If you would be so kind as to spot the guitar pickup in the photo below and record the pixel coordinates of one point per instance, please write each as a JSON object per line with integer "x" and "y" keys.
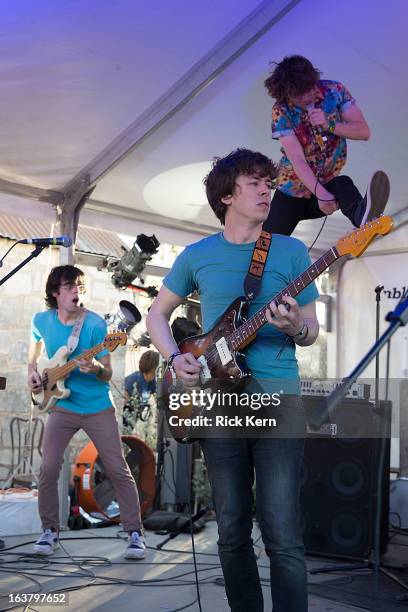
{"x": 223, "y": 351}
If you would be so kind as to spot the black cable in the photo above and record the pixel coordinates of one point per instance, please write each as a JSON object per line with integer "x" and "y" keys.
{"x": 183, "y": 552}
{"x": 7, "y": 252}
{"x": 286, "y": 340}
{"x": 85, "y": 573}
{"x": 325, "y": 218}
{"x": 318, "y": 234}
{"x": 192, "y": 538}
{"x": 322, "y": 161}
{"x": 163, "y": 477}
{"x": 173, "y": 473}
{"x": 188, "y": 505}
{"x": 159, "y": 472}
{"x": 165, "y": 582}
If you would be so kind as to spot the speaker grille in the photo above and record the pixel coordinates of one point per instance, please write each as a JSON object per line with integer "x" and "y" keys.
{"x": 339, "y": 485}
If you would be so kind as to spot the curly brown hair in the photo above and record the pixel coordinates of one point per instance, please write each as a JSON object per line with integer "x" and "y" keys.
{"x": 148, "y": 361}
{"x": 221, "y": 180}
{"x": 293, "y": 76}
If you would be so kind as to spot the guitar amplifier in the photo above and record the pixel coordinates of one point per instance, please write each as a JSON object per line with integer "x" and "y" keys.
{"x": 321, "y": 388}
{"x": 339, "y": 481}
{"x": 353, "y": 418}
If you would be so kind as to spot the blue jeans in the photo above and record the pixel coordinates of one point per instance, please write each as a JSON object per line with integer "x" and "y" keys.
{"x": 277, "y": 463}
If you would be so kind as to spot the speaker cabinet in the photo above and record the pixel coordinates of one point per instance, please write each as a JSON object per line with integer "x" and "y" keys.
{"x": 339, "y": 482}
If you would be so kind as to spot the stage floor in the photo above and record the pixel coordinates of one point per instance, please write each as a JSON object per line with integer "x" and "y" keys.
{"x": 91, "y": 570}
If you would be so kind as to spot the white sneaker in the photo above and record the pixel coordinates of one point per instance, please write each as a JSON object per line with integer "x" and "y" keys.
{"x": 46, "y": 543}
{"x": 136, "y": 548}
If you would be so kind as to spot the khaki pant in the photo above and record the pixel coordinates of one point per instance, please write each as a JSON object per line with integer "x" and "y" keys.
{"x": 103, "y": 430}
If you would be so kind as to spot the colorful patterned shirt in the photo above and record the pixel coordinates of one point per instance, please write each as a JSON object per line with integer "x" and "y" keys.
{"x": 326, "y": 154}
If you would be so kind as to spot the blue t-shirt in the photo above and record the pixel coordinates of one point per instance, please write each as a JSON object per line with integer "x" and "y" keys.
{"x": 142, "y": 385}
{"x": 217, "y": 268}
{"x": 88, "y": 394}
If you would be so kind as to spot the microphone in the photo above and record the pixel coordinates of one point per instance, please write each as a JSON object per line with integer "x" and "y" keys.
{"x": 311, "y": 107}
{"x": 65, "y": 241}
{"x": 317, "y": 130}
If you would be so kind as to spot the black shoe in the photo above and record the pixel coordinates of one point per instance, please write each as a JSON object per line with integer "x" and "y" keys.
{"x": 375, "y": 199}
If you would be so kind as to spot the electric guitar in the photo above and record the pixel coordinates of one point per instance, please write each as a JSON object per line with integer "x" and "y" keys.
{"x": 54, "y": 370}
{"x": 220, "y": 351}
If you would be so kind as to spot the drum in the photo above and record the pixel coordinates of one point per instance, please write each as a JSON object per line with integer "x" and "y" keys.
{"x": 95, "y": 490}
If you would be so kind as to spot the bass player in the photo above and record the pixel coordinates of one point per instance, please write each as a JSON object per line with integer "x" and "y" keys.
{"x": 89, "y": 406}
{"x": 239, "y": 191}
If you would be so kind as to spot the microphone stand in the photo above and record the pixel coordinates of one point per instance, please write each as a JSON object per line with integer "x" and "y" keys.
{"x": 377, "y": 290}
{"x": 38, "y": 249}
{"x": 397, "y": 318}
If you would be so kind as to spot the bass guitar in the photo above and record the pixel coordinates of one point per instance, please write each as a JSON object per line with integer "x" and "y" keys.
{"x": 53, "y": 371}
{"x": 221, "y": 350}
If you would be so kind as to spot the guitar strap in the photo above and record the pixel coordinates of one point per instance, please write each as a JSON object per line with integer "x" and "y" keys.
{"x": 76, "y": 330}
{"x": 252, "y": 282}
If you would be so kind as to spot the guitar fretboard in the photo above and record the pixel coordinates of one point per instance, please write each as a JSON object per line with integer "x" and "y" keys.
{"x": 66, "y": 368}
{"x": 248, "y": 329}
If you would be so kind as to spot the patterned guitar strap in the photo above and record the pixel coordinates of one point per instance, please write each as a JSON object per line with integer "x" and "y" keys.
{"x": 252, "y": 282}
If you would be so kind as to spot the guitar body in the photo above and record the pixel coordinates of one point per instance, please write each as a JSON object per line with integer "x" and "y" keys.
{"x": 199, "y": 346}
{"x": 54, "y": 371}
{"x": 215, "y": 374}
{"x": 53, "y": 387}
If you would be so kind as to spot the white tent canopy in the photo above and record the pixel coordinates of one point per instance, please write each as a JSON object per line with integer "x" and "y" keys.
{"x": 134, "y": 99}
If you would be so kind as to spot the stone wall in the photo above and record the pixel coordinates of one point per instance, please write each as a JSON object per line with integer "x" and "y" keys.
{"x": 20, "y": 298}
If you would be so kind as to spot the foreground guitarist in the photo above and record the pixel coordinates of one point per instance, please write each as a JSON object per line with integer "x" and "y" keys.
{"x": 89, "y": 407}
{"x": 239, "y": 192}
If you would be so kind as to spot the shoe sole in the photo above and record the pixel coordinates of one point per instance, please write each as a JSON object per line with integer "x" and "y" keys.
{"x": 46, "y": 554}
{"x": 127, "y": 556}
{"x": 377, "y": 196}
{"x": 43, "y": 553}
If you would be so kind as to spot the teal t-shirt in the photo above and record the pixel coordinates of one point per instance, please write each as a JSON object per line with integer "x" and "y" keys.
{"x": 88, "y": 394}
{"x": 217, "y": 268}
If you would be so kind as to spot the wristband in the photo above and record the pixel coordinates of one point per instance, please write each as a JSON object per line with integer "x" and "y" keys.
{"x": 101, "y": 370}
{"x": 171, "y": 359}
{"x": 300, "y": 333}
{"x": 332, "y": 126}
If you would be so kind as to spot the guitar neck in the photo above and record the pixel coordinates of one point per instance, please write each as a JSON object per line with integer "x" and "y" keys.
{"x": 64, "y": 370}
{"x": 248, "y": 329}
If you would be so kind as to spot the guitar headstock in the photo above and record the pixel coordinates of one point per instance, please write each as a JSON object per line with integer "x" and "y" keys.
{"x": 357, "y": 241}
{"x": 112, "y": 341}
